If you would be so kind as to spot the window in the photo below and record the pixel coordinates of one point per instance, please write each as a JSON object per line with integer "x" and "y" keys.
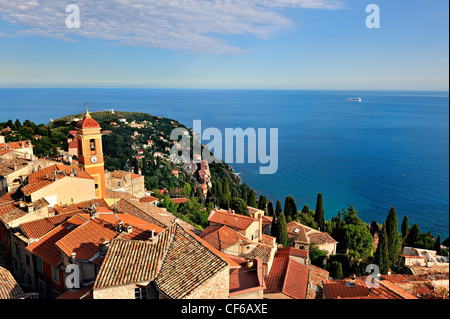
{"x": 118, "y": 184}
{"x": 92, "y": 144}
{"x": 55, "y": 274}
{"x": 27, "y": 259}
{"x": 140, "y": 293}
{"x": 39, "y": 267}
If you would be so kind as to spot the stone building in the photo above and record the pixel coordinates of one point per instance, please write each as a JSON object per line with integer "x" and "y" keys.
{"x": 128, "y": 182}
{"x": 175, "y": 264}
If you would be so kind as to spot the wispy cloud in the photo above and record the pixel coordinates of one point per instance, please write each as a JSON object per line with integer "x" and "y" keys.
{"x": 188, "y": 25}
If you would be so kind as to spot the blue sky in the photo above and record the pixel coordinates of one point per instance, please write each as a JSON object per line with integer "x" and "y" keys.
{"x": 251, "y": 44}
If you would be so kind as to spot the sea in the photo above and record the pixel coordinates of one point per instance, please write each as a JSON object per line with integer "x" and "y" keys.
{"x": 390, "y": 149}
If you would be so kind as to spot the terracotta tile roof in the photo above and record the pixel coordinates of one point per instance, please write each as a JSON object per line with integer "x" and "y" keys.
{"x": 179, "y": 200}
{"x": 221, "y": 237}
{"x": 291, "y": 251}
{"x": 178, "y": 263}
{"x": 334, "y": 289}
{"x": 261, "y": 251}
{"x": 45, "y": 247}
{"x": 322, "y": 239}
{"x": 13, "y": 165}
{"x": 148, "y": 199}
{"x": 15, "y": 145}
{"x": 46, "y": 176}
{"x": 9, "y": 288}
{"x": 152, "y": 214}
{"x": 304, "y": 234}
{"x": 296, "y": 280}
{"x": 11, "y": 197}
{"x": 82, "y": 293}
{"x": 236, "y": 221}
{"x": 316, "y": 277}
{"x": 85, "y": 240}
{"x": 128, "y": 219}
{"x": 244, "y": 279}
{"x": 11, "y": 211}
{"x": 98, "y": 203}
{"x": 87, "y": 122}
{"x": 287, "y": 276}
{"x": 38, "y": 228}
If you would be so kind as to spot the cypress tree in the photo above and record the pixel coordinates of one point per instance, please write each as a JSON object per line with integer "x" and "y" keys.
{"x": 244, "y": 192}
{"x": 382, "y": 252}
{"x": 274, "y": 227}
{"x": 319, "y": 216}
{"x": 278, "y": 210}
{"x": 437, "y": 245}
{"x": 234, "y": 193}
{"x": 282, "y": 235}
{"x": 262, "y": 203}
{"x": 413, "y": 236}
{"x": 270, "y": 209}
{"x": 405, "y": 227}
{"x": 226, "y": 195}
{"x": 252, "y": 199}
{"x": 336, "y": 270}
{"x": 290, "y": 207}
{"x": 393, "y": 236}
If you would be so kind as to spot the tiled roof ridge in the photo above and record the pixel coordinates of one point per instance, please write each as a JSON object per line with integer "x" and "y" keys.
{"x": 200, "y": 241}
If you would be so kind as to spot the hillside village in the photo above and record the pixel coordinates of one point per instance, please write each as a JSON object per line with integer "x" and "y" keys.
{"x": 70, "y": 212}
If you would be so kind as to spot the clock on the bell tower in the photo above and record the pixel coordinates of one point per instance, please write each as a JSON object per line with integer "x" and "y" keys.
{"x": 90, "y": 152}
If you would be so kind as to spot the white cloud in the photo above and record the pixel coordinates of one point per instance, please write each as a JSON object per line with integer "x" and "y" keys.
{"x": 188, "y": 25}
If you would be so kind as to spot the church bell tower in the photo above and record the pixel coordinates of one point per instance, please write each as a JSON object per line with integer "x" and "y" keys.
{"x": 90, "y": 152}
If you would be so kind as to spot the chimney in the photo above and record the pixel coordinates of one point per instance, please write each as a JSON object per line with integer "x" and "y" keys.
{"x": 129, "y": 229}
{"x": 103, "y": 248}
{"x": 73, "y": 257}
{"x": 119, "y": 226}
{"x": 153, "y": 239}
{"x": 249, "y": 264}
{"x": 260, "y": 227}
{"x": 352, "y": 281}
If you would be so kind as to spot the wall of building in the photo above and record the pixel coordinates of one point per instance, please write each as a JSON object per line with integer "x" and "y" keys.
{"x": 117, "y": 292}
{"x": 217, "y": 287}
{"x": 64, "y": 188}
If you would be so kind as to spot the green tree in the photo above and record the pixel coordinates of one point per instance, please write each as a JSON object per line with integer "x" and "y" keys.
{"x": 405, "y": 227}
{"x": 274, "y": 227}
{"x": 316, "y": 255}
{"x": 358, "y": 240}
{"x": 437, "y": 245}
{"x": 239, "y": 206}
{"x": 413, "y": 239}
{"x": 226, "y": 195}
{"x": 336, "y": 270}
{"x": 290, "y": 207}
{"x": 382, "y": 252}
{"x": 262, "y": 203}
{"x": 282, "y": 235}
{"x": 319, "y": 216}
{"x": 187, "y": 190}
{"x": 270, "y": 211}
{"x": 251, "y": 200}
{"x": 278, "y": 210}
{"x": 374, "y": 228}
{"x": 393, "y": 236}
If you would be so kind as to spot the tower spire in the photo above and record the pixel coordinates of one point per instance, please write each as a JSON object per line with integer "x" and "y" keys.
{"x": 87, "y": 111}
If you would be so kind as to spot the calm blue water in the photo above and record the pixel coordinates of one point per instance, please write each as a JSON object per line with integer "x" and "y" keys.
{"x": 354, "y": 153}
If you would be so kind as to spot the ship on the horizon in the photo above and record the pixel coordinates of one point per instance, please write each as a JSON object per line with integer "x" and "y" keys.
{"x": 354, "y": 99}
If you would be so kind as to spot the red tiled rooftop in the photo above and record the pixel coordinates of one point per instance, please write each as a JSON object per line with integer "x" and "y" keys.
{"x": 45, "y": 177}
{"x": 221, "y": 237}
{"x": 287, "y": 276}
{"x": 45, "y": 247}
{"x": 86, "y": 239}
{"x": 38, "y": 228}
{"x": 179, "y": 200}
{"x": 148, "y": 199}
{"x": 87, "y": 122}
{"x": 233, "y": 220}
